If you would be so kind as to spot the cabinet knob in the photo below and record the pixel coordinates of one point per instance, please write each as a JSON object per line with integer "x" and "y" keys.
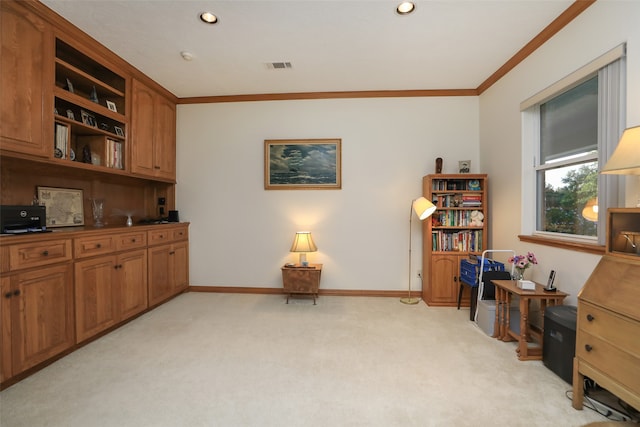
{"x": 590, "y": 318}
{"x": 588, "y": 347}
{"x": 133, "y": 240}
{"x": 172, "y": 252}
{"x": 156, "y": 167}
{"x": 8, "y": 295}
{"x": 99, "y": 245}
{"x": 455, "y": 278}
{"x": 45, "y": 253}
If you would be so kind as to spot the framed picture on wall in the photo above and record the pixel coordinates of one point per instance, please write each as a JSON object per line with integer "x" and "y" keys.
{"x": 302, "y": 164}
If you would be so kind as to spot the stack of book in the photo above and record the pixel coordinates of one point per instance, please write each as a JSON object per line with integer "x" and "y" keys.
{"x": 471, "y": 200}
{"x": 113, "y": 154}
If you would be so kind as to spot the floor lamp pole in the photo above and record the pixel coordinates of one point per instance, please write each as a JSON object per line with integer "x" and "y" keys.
{"x": 409, "y": 299}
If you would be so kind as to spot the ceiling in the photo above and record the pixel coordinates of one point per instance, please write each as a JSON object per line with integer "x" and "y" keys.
{"x": 360, "y": 45}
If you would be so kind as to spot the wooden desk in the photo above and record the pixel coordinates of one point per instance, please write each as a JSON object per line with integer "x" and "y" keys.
{"x": 302, "y": 280}
{"x": 504, "y": 290}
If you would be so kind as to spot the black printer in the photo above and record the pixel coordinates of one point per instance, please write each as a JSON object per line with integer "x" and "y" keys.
{"x": 22, "y": 219}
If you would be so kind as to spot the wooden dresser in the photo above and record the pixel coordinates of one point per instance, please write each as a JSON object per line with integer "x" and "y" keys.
{"x": 608, "y": 328}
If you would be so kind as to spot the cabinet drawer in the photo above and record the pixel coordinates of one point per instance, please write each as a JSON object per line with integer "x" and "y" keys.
{"x": 131, "y": 240}
{"x": 94, "y": 245}
{"x": 618, "y": 364}
{"x": 4, "y": 259}
{"x": 179, "y": 233}
{"x": 160, "y": 236}
{"x": 609, "y": 327}
{"x": 39, "y": 253}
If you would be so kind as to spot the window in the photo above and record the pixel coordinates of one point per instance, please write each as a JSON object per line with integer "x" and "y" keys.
{"x": 570, "y": 130}
{"x": 567, "y": 173}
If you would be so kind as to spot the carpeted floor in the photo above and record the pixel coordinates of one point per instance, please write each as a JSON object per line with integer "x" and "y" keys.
{"x": 251, "y": 360}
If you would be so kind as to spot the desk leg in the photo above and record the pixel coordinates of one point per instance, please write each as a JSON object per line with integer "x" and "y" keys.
{"x": 578, "y": 385}
{"x": 524, "y": 329}
{"x": 506, "y": 316}
{"x": 496, "y": 321}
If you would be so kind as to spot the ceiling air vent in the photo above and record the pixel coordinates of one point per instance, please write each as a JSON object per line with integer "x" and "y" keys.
{"x": 279, "y": 65}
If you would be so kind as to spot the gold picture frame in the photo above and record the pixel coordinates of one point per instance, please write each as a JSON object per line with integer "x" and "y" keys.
{"x": 64, "y": 206}
{"x": 303, "y": 164}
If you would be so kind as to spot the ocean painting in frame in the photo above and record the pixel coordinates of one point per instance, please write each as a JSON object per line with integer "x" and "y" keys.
{"x": 302, "y": 164}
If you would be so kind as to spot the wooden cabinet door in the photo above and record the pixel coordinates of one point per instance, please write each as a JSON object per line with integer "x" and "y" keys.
{"x": 96, "y": 296}
{"x": 168, "y": 271}
{"x": 180, "y": 265}
{"x": 26, "y": 82}
{"x": 165, "y": 138}
{"x": 41, "y": 315}
{"x": 142, "y": 130}
{"x": 153, "y": 142}
{"x": 5, "y": 329}
{"x": 160, "y": 274}
{"x": 132, "y": 272}
{"x": 443, "y": 285}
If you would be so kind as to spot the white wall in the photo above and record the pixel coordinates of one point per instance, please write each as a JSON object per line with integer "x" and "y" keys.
{"x": 600, "y": 28}
{"x": 240, "y": 233}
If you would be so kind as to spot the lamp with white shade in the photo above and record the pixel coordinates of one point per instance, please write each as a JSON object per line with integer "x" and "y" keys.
{"x": 625, "y": 160}
{"x": 303, "y": 243}
{"x": 423, "y": 209}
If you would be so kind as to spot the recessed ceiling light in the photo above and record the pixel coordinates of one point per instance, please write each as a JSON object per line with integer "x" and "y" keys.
{"x": 405, "y": 8}
{"x": 208, "y": 18}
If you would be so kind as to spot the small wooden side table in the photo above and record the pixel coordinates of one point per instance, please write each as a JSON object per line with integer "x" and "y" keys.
{"x": 501, "y": 329}
{"x": 301, "y": 280}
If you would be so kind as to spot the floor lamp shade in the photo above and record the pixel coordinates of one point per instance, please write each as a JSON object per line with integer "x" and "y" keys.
{"x": 625, "y": 160}
{"x": 303, "y": 243}
{"x": 423, "y": 209}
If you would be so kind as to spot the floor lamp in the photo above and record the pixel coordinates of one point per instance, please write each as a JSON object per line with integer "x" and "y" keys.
{"x": 423, "y": 209}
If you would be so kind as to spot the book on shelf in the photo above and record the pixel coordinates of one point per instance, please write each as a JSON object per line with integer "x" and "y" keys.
{"x": 113, "y": 151}
{"x": 62, "y": 141}
{"x": 459, "y": 241}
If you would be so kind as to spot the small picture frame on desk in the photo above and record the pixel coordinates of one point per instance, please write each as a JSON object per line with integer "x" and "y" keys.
{"x": 464, "y": 166}
{"x": 88, "y": 119}
{"x": 112, "y": 106}
{"x": 64, "y": 206}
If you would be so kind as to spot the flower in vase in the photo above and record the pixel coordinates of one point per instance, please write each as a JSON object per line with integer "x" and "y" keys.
{"x": 522, "y": 262}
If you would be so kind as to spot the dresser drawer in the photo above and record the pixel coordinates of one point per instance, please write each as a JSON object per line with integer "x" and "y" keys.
{"x": 131, "y": 240}
{"x": 39, "y": 253}
{"x": 94, "y": 245}
{"x": 609, "y": 327}
{"x": 618, "y": 364}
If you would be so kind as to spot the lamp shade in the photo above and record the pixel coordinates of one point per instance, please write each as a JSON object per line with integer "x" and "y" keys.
{"x": 423, "y": 208}
{"x": 303, "y": 242}
{"x": 625, "y": 160}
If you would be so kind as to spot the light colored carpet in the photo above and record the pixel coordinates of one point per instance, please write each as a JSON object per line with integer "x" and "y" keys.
{"x": 251, "y": 360}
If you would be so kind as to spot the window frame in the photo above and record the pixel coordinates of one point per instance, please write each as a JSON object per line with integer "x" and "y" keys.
{"x": 610, "y": 127}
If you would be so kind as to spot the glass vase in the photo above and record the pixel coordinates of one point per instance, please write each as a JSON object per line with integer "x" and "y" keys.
{"x": 98, "y": 212}
{"x": 518, "y": 274}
